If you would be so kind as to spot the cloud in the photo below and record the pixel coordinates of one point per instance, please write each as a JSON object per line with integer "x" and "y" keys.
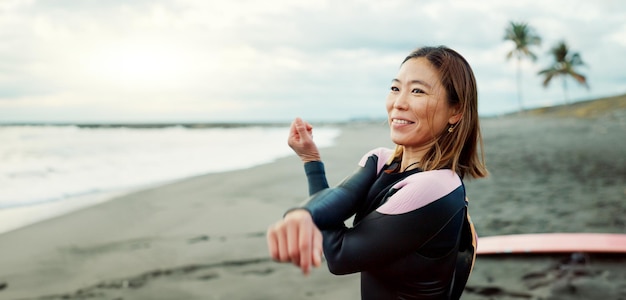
{"x": 249, "y": 60}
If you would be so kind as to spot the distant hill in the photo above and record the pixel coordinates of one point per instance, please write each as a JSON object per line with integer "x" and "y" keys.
{"x": 582, "y": 109}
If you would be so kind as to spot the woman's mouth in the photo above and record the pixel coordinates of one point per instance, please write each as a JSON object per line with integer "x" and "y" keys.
{"x": 401, "y": 122}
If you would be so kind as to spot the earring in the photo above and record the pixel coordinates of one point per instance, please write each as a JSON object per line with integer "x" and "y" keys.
{"x": 452, "y": 127}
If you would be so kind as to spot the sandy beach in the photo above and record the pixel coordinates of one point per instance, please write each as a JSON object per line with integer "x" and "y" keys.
{"x": 204, "y": 237}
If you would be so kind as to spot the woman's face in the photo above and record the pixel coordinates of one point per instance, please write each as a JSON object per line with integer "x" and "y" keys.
{"x": 417, "y": 105}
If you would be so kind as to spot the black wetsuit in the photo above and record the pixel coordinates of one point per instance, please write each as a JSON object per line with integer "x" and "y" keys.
{"x": 411, "y": 238}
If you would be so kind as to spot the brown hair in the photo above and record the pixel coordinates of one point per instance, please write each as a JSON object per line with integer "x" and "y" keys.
{"x": 461, "y": 149}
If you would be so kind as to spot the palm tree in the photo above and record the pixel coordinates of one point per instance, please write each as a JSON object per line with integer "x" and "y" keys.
{"x": 524, "y": 38}
{"x": 564, "y": 64}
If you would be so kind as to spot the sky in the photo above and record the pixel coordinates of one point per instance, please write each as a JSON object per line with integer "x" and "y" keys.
{"x": 273, "y": 60}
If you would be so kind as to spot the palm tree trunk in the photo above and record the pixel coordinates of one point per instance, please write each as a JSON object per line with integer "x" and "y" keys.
{"x": 519, "y": 84}
{"x": 565, "y": 90}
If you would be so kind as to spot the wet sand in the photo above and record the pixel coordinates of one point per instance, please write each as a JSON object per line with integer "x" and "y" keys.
{"x": 204, "y": 237}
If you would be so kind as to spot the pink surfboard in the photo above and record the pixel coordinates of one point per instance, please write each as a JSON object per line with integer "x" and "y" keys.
{"x": 552, "y": 243}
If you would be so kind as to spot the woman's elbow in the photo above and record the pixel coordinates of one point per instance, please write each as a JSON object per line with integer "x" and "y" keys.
{"x": 337, "y": 268}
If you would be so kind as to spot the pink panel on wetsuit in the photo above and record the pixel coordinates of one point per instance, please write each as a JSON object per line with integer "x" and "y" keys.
{"x": 420, "y": 189}
{"x": 383, "y": 155}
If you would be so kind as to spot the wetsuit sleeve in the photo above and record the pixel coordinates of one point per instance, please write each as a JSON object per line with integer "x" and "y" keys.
{"x": 316, "y": 176}
{"x": 332, "y": 206}
{"x": 416, "y": 210}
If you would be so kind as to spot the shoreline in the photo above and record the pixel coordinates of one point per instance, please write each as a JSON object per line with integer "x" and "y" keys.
{"x": 14, "y": 218}
{"x": 22, "y": 211}
{"x": 204, "y": 237}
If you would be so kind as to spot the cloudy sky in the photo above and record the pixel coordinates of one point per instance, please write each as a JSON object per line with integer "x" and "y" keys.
{"x": 244, "y": 60}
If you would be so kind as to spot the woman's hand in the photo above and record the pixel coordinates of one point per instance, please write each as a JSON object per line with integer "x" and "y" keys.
{"x": 301, "y": 141}
{"x": 296, "y": 239}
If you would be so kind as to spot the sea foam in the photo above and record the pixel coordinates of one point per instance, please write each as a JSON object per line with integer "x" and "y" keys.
{"x": 46, "y": 170}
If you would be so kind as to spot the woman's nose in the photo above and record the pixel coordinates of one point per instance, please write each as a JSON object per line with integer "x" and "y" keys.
{"x": 400, "y": 102}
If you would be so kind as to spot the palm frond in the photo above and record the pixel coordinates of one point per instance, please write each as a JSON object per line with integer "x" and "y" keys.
{"x": 576, "y": 60}
{"x": 523, "y": 36}
{"x": 564, "y": 65}
{"x": 548, "y": 78}
{"x": 579, "y": 78}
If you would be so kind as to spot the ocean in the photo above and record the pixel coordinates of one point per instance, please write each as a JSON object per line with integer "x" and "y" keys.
{"x": 46, "y": 171}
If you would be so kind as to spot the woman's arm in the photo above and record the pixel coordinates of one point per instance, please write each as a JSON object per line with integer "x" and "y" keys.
{"x": 332, "y": 206}
{"x": 297, "y": 238}
{"x": 316, "y": 176}
{"x": 417, "y": 209}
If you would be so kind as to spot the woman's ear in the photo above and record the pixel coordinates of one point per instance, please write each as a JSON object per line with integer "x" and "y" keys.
{"x": 457, "y": 115}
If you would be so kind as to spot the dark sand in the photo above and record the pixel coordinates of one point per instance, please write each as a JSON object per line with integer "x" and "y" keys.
{"x": 204, "y": 238}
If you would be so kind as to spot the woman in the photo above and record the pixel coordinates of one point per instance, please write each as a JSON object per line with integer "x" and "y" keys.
{"x": 412, "y": 237}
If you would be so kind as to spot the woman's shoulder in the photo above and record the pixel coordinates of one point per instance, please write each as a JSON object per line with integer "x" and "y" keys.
{"x": 381, "y": 155}
{"x": 445, "y": 179}
{"x": 420, "y": 189}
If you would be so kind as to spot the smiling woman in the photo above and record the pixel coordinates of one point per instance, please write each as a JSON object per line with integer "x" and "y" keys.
{"x": 411, "y": 236}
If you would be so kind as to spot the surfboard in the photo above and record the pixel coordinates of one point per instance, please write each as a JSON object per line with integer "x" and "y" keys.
{"x": 552, "y": 243}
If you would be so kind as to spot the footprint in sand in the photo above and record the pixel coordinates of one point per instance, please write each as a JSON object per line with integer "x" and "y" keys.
{"x": 576, "y": 266}
{"x": 262, "y": 272}
{"x": 198, "y": 239}
{"x": 208, "y": 277}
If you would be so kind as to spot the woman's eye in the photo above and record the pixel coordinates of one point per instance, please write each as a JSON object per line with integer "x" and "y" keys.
{"x": 394, "y": 89}
{"x": 417, "y": 91}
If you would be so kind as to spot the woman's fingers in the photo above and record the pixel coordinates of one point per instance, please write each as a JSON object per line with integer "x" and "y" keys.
{"x": 272, "y": 243}
{"x": 301, "y": 141}
{"x": 301, "y": 132}
{"x": 283, "y": 245}
{"x": 304, "y": 129}
{"x": 309, "y": 128}
{"x": 305, "y": 242}
{"x": 277, "y": 242}
{"x": 296, "y": 239}
{"x": 292, "y": 232}
{"x": 317, "y": 247}
{"x": 294, "y": 136}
